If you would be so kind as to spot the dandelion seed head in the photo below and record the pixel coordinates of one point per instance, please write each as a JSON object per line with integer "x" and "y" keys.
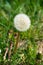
{"x": 22, "y": 22}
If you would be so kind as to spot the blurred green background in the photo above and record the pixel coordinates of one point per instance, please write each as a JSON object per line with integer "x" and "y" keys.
{"x": 24, "y": 55}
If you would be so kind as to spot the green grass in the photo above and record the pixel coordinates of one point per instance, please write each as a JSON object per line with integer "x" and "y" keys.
{"x": 8, "y": 10}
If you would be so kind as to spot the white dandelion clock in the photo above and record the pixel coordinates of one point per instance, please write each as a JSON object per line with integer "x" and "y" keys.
{"x": 22, "y": 22}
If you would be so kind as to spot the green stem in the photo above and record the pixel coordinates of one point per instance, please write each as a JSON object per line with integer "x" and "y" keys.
{"x": 17, "y": 40}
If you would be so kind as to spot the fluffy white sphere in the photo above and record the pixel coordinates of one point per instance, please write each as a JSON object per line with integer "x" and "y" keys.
{"x": 22, "y": 22}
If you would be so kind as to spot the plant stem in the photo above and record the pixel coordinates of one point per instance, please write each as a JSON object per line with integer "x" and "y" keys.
{"x": 9, "y": 55}
{"x": 5, "y": 53}
{"x": 17, "y": 40}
